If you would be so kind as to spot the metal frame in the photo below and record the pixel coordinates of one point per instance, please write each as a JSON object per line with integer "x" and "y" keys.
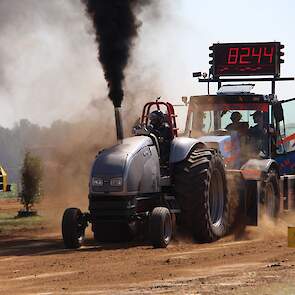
{"x": 170, "y": 114}
{"x": 273, "y": 80}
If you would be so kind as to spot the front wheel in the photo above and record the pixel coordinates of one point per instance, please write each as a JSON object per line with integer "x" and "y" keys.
{"x": 73, "y": 228}
{"x": 160, "y": 227}
{"x": 270, "y": 195}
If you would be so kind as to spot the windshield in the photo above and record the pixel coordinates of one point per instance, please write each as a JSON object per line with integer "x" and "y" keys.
{"x": 205, "y": 119}
{"x": 247, "y": 122}
{"x": 205, "y": 122}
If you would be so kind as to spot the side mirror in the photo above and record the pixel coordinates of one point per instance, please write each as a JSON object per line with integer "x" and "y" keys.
{"x": 278, "y": 111}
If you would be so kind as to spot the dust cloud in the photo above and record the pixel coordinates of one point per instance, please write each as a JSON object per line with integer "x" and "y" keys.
{"x": 49, "y": 67}
{"x": 48, "y": 61}
{"x": 269, "y": 228}
{"x": 51, "y": 76}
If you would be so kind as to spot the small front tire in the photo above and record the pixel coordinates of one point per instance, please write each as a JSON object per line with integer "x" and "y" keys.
{"x": 160, "y": 227}
{"x": 73, "y": 228}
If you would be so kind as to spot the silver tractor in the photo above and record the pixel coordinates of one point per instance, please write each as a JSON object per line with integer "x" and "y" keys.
{"x": 150, "y": 184}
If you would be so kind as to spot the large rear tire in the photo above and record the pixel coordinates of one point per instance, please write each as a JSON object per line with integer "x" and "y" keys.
{"x": 161, "y": 227}
{"x": 73, "y": 228}
{"x": 201, "y": 190}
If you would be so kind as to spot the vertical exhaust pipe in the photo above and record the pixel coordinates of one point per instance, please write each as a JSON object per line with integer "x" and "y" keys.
{"x": 119, "y": 126}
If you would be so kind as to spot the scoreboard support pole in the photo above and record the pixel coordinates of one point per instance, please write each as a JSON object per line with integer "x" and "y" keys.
{"x": 273, "y": 87}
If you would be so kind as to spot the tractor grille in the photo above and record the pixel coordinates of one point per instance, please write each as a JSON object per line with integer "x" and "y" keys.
{"x": 116, "y": 207}
{"x": 110, "y": 206}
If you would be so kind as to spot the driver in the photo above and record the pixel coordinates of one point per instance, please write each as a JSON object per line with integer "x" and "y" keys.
{"x": 162, "y": 130}
{"x": 258, "y": 132}
{"x": 235, "y": 125}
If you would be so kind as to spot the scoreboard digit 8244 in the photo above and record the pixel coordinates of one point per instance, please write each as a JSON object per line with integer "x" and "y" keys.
{"x": 246, "y": 59}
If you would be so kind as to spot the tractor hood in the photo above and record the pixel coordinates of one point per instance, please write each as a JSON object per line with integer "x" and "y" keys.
{"x": 112, "y": 161}
{"x": 122, "y": 167}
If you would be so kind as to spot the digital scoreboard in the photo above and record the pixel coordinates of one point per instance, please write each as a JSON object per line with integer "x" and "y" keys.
{"x": 246, "y": 59}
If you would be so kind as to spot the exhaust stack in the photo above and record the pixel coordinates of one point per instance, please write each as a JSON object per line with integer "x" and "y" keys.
{"x": 119, "y": 126}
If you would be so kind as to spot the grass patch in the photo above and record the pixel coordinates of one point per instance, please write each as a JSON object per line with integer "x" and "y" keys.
{"x": 9, "y": 223}
{"x": 12, "y": 194}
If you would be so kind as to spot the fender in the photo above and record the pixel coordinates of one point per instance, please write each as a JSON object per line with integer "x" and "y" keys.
{"x": 253, "y": 169}
{"x": 180, "y": 148}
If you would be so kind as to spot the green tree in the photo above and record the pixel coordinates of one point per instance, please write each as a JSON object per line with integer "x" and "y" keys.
{"x": 31, "y": 177}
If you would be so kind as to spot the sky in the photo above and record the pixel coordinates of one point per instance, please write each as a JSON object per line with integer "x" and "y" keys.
{"x": 201, "y": 24}
{"x": 48, "y": 60}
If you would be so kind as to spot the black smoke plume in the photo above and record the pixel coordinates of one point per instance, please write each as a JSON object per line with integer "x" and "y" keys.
{"x": 116, "y": 27}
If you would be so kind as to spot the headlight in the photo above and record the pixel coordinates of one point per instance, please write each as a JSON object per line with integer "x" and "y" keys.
{"x": 96, "y": 181}
{"x": 118, "y": 181}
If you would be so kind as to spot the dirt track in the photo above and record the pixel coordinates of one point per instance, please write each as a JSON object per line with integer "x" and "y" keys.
{"x": 36, "y": 263}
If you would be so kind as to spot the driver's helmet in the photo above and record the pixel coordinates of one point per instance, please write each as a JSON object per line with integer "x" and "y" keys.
{"x": 157, "y": 118}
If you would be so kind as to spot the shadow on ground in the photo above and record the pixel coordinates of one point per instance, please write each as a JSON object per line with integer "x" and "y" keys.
{"x": 53, "y": 246}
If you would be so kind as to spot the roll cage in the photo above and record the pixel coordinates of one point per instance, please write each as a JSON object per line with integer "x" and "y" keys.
{"x": 168, "y": 110}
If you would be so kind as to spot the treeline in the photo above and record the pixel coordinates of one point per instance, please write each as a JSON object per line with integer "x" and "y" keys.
{"x": 60, "y": 143}
{"x": 26, "y": 136}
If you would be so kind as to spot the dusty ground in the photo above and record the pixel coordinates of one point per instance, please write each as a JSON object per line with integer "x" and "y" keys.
{"x": 35, "y": 262}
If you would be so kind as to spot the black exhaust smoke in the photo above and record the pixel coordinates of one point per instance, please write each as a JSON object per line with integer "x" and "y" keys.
{"x": 116, "y": 27}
